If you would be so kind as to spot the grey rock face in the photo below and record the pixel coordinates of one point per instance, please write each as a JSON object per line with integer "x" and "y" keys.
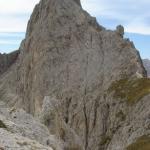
{"x": 146, "y": 63}
{"x": 6, "y": 60}
{"x": 120, "y": 30}
{"x": 68, "y": 62}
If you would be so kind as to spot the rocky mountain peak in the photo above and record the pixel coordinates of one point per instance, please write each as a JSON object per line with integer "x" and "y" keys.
{"x": 79, "y": 79}
{"x": 48, "y": 13}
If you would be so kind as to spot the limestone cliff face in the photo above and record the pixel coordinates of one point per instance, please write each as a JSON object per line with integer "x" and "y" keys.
{"x": 71, "y": 64}
{"x": 66, "y": 50}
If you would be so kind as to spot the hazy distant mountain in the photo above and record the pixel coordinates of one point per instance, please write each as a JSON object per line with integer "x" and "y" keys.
{"x": 146, "y": 63}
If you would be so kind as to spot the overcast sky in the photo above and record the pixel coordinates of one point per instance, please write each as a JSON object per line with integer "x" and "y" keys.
{"x": 134, "y": 15}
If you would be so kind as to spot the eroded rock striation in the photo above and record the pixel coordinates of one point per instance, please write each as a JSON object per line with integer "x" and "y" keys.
{"x": 74, "y": 76}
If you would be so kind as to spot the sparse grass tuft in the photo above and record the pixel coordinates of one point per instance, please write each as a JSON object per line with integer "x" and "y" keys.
{"x": 105, "y": 140}
{"x": 130, "y": 89}
{"x": 2, "y": 125}
{"x": 142, "y": 143}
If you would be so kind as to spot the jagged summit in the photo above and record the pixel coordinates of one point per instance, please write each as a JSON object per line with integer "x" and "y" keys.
{"x": 52, "y": 12}
{"x": 68, "y": 68}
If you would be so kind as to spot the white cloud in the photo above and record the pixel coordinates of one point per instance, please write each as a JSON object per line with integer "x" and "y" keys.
{"x": 133, "y": 14}
{"x": 17, "y": 6}
{"x": 139, "y": 25}
{"x": 12, "y": 24}
{"x": 14, "y": 14}
{"x": 12, "y": 42}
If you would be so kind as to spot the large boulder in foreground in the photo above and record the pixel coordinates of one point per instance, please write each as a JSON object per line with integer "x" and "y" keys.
{"x": 19, "y": 130}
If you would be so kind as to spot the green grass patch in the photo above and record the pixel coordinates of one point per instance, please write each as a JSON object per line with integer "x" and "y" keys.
{"x": 142, "y": 143}
{"x": 130, "y": 89}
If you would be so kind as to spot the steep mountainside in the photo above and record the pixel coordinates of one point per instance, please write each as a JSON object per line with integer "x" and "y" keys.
{"x": 85, "y": 83}
{"x": 146, "y": 63}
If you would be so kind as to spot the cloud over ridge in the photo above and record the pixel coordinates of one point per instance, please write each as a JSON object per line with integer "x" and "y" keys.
{"x": 133, "y": 14}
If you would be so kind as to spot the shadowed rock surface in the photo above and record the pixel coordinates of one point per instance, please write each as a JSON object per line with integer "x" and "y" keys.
{"x": 6, "y": 60}
{"x": 74, "y": 76}
{"x": 146, "y": 63}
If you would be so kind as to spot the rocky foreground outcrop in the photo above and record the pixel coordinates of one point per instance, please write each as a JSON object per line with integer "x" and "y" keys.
{"x": 19, "y": 130}
{"x": 85, "y": 83}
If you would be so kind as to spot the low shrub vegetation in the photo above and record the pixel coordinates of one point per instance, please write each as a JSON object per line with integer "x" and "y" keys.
{"x": 142, "y": 143}
{"x": 130, "y": 89}
{"x": 2, "y": 125}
